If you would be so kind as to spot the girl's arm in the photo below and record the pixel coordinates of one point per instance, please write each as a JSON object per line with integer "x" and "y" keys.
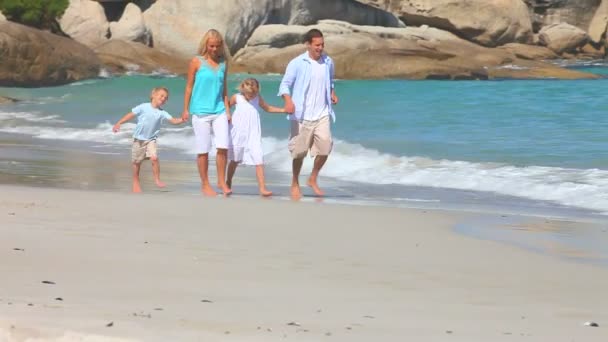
{"x": 232, "y": 100}
{"x": 270, "y": 109}
{"x": 226, "y": 101}
{"x": 129, "y": 116}
{"x": 192, "y": 68}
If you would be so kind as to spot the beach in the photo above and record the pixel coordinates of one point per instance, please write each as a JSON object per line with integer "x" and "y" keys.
{"x": 113, "y": 266}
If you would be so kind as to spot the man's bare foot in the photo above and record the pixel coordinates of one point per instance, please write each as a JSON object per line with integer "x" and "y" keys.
{"x": 296, "y": 194}
{"x": 208, "y": 191}
{"x": 315, "y": 188}
{"x": 265, "y": 192}
{"x": 136, "y": 188}
{"x": 160, "y": 184}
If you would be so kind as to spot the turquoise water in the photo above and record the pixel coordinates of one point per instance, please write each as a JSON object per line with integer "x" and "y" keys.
{"x": 514, "y": 144}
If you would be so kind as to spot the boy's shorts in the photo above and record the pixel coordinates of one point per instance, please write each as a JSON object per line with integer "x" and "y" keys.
{"x": 143, "y": 149}
{"x": 310, "y": 135}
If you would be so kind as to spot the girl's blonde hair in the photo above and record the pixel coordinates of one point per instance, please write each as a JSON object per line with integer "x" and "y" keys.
{"x": 249, "y": 86}
{"x": 157, "y": 89}
{"x": 212, "y": 34}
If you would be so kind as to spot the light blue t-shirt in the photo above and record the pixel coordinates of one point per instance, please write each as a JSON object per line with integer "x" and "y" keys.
{"x": 208, "y": 90}
{"x": 149, "y": 120}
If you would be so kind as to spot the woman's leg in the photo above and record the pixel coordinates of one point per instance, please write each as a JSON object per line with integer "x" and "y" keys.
{"x": 202, "y": 137}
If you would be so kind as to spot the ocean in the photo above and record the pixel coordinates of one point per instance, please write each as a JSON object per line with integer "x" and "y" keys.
{"x": 535, "y": 147}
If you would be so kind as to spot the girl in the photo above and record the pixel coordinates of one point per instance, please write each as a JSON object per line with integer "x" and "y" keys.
{"x": 206, "y": 99}
{"x": 246, "y": 132}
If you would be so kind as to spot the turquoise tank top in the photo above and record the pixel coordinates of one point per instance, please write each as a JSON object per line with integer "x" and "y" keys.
{"x": 208, "y": 90}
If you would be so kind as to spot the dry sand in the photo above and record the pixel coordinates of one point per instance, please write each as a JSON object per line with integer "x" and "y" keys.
{"x": 175, "y": 267}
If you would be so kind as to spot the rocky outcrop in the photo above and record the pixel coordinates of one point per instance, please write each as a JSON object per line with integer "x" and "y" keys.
{"x": 531, "y": 52}
{"x": 410, "y": 52}
{"x": 574, "y": 12}
{"x": 131, "y": 26}
{"x": 34, "y": 58}
{"x": 487, "y": 22}
{"x": 85, "y": 21}
{"x": 599, "y": 23}
{"x": 7, "y": 100}
{"x": 178, "y": 26}
{"x": 119, "y": 56}
{"x": 562, "y": 37}
{"x": 2, "y": 17}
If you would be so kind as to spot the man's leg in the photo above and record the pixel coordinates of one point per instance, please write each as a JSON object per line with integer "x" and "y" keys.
{"x": 321, "y": 148}
{"x": 151, "y": 152}
{"x": 316, "y": 168}
{"x": 298, "y": 147}
{"x": 296, "y": 167}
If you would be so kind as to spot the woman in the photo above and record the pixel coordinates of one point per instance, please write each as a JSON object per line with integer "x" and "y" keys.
{"x": 206, "y": 99}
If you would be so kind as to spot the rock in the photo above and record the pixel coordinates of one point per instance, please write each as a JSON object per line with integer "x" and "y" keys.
{"x": 597, "y": 26}
{"x": 487, "y": 22}
{"x": 120, "y": 56}
{"x": 376, "y": 52}
{"x": 562, "y": 37}
{"x": 578, "y": 13}
{"x": 532, "y": 52}
{"x": 34, "y": 58}
{"x": 85, "y": 21}
{"x": 2, "y": 17}
{"x": 131, "y": 26}
{"x": 8, "y": 100}
{"x": 178, "y": 26}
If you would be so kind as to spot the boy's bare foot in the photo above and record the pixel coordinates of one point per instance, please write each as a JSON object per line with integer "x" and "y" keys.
{"x": 296, "y": 194}
{"x": 160, "y": 184}
{"x": 136, "y": 188}
{"x": 315, "y": 187}
{"x": 265, "y": 192}
{"x": 208, "y": 191}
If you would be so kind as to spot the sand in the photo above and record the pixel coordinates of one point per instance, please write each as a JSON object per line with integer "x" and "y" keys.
{"x": 110, "y": 266}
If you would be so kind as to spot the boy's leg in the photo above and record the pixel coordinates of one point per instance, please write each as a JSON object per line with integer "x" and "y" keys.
{"x": 231, "y": 170}
{"x": 136, "y": 185}
{"x": 152, "y": 153}
{"x": 259, "y": 172}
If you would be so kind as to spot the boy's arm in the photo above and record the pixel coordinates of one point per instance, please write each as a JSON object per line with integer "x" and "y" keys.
{"x": 270, "y": 109}
{"x": 127, "y": 117}
{"x": 176, "y": 121}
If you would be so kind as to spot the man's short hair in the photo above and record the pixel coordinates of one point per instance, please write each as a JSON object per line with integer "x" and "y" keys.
{"x": 312, "y": 33}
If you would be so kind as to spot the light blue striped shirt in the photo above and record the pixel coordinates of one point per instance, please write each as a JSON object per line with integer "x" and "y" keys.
{"x": 296, "y": 81}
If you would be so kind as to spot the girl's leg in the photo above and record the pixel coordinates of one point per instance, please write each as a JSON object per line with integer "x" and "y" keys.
{"x": 259, "y": 172}
{"x": 136, "y": 186}
{"x": 221, "y": 159}
{"x": 156, "y": 172}
{"x": 231, "y": 170}
{"x": 202, "y": 161}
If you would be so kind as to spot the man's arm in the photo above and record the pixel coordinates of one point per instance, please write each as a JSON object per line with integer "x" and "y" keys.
{"x": 287, "y": 85}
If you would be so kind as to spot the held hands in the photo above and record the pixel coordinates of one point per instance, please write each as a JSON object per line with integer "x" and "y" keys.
{"x": 289, "y": 107}
{"x": 185, "y": 116}
{"x": 334, "y": 98}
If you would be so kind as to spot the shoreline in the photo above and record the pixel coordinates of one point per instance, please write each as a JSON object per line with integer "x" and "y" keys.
{"x": 175, "y": 267}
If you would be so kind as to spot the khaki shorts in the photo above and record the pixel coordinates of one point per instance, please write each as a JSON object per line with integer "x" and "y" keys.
{"x": 143, "y": 149}
{"x": 310, "y": 135}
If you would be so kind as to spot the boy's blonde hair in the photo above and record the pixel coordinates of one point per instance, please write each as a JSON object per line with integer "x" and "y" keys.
{"x": 212, "y": 34}
{"x": 249, "y": 86}
{"x": 157, "y": 89}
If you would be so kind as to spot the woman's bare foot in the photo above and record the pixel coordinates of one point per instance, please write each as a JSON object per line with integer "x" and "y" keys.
{"x": 265, "y": 192}
{"x": 315, "y": 187}
{"x": 296, "y": 194}
{"x": 160, "y": 184}
{"x": 208, "y": 191}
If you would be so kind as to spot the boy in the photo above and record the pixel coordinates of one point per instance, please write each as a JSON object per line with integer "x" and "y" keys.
{"x": 149, "y": 116}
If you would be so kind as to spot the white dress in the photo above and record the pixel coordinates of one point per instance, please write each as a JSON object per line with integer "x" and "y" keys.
{"x": 246, "y": 132}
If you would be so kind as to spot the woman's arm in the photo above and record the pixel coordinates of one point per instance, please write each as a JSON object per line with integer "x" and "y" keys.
{"x": 192, "y": 68}
{"x": 225, "y": 97}
{"x": 270, "y": 109}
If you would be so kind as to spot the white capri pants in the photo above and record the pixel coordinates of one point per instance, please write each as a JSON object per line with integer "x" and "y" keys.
{"x": 206, "y": 126}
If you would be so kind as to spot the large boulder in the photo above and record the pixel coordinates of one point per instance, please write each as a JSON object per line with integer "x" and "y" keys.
{"x": 562, "y": 37}
{"x": 599, "y": 23}
{"x": 119, "y": 56}
{"x": 85, "y": 21}
{"x": 487, "y": 22}
{"x": 131, "y": 26}
{"x": 574, "y": 12}
{"x": 2, "y": 17}
{"x": 532, "y": 52}
{"x": 378, "y": 52}
{"x": 34, "y": 58}
{"x": 178, "y": 25}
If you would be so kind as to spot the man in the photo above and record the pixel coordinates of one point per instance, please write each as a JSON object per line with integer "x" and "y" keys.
{"x": 308, "y": 91}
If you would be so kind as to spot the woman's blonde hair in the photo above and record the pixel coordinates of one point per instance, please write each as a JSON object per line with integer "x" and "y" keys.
{"x": 212, "y": 34}
{"x": 157, "y": 89}
{"x": 249, "y": 86}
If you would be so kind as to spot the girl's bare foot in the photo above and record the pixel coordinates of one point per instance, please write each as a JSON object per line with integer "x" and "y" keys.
{"x": 160, "y": 184}
{"x": 265, "y": 192}
{"x": 208, "y": 191}
{"x": 315, "y": 187}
